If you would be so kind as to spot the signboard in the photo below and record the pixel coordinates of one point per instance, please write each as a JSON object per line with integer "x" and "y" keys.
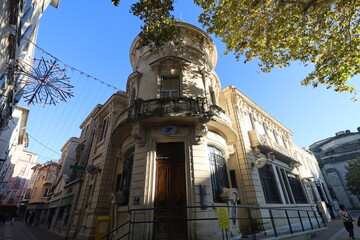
{"x": 223, "y": 217}
{"x": 76, "y": 167}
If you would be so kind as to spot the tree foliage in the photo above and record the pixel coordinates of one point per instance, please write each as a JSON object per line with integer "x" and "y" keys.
{"x": 159, "y": 25}
{"x": 352, "y": 177}
{"x": 323, "y": 33}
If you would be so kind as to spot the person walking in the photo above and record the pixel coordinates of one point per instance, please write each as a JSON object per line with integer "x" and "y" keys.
{"x": 31, "y": 218}
{"x": 347, "y": 220}
{"x": 13, "y": 218}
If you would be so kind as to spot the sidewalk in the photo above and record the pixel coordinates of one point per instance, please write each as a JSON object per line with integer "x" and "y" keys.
{"x": 19, "y": 231}
{"x": 336, "y": 229}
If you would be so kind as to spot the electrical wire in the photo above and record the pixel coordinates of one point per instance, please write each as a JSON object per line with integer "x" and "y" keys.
{"x": 59, "y": 60}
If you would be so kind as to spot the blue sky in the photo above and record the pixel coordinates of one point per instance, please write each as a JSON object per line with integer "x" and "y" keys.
{"x": 95, "y": 37}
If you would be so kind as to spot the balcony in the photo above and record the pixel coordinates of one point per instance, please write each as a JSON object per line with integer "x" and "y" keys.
{"x": 172, "y": 107}
{"x": 280, "y": 148}
{"x": 267, "y": 145}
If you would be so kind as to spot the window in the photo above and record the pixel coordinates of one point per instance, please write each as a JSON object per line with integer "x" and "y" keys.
{"x": 233, "y": 179}
{"x": 27, "y": 33}
{"x": 84, "y": 132}
{"x": 218, "y": 172}
{"x": 104, "y": 129}
{"x": 118, "y": 182}
{"x": 27, "y": 15}
{"x": 17, "y": 183}
{"x": 89, "y": 195}
{"x": 126, "y": 175}
{"x": 2, "y": 84}
{"x": 289, "y": 184}
{"x": 268, "y": 183}
{"x": 170, "y": 87}
{"x": 212, "y": 96}
{"x": 46, "y": 192}
{"x": 27, "y": 194}
{"x": 23, "y": 169}
{"x": 132, "y": 96}
{"x": 296, "y": 188}
{"x": 285, "y": 186}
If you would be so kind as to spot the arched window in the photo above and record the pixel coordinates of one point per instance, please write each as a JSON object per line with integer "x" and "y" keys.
{"x": 218, "y": 172}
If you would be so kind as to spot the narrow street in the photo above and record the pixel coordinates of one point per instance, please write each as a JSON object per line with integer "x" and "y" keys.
{"x": 19, "y": 231}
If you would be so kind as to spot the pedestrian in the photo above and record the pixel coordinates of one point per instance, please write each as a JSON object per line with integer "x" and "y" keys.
{"x": 31, "y": 218}
{"x": 5, "y": 217}
{"x": 27, "y": 215}
{"x": 358, "y": 222}
{"x": 13, "y": 217}
{"x": 347, "y": 220}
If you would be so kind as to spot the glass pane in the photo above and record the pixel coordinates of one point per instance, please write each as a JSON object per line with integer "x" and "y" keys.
{"x": 170, "y": 84}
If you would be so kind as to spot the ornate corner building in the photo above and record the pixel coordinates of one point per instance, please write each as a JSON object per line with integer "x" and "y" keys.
{"x": 165, "y": 158}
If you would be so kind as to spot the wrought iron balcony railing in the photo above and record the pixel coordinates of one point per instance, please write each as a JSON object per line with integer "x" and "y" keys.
{"x": 173, "y": 107}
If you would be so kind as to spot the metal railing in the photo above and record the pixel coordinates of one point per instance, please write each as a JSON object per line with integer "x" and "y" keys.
{"x": 258, "y": 222}
{"x": 163, "y": 106}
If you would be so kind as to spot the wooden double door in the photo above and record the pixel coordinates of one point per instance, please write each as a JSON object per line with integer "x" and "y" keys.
{"x": 170, "y": 192}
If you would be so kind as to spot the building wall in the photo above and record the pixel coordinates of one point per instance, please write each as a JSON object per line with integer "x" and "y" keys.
{"x": 259, "y": 136}
{"x": 333, "y": 155}
{"x": 206, "y": 120}
{"x": 12, "y": 144}
{"x": 19, "y": 21}
{"x": 17, "y": 185}
{"x": 39, "y": 187}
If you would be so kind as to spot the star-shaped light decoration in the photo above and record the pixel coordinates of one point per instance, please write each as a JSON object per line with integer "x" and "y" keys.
{"x": 43, "y": 81}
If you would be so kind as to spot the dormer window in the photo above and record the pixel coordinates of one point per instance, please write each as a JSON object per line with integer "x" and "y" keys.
{"x": 170, "y": 87}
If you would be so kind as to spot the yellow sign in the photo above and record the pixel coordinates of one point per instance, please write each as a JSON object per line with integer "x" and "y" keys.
{"x": 223, "y": 217}
{"x": 102, "y": 227}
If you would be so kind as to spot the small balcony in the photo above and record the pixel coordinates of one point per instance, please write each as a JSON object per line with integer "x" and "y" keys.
{"x": 172, "y": 107}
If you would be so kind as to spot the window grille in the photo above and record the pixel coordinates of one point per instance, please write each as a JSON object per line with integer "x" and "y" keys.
{"x": 218, "y": 172}
{"x": 296, "y": 189}
{"x": 126, "y": 175}
{"x": 268, "y": 183}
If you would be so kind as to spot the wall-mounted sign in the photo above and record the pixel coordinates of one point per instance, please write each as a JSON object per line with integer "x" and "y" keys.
{"x": 223, "y": 217}
{"x": 168, "y": 130}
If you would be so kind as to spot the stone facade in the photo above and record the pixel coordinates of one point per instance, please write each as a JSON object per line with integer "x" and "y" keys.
{"x": 40, "y": 185}
{"x": 333, "y": 154}
{"x": 61, "y": 197}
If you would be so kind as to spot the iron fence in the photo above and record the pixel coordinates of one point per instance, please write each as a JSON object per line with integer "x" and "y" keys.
{"x": 254, "y": 222}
